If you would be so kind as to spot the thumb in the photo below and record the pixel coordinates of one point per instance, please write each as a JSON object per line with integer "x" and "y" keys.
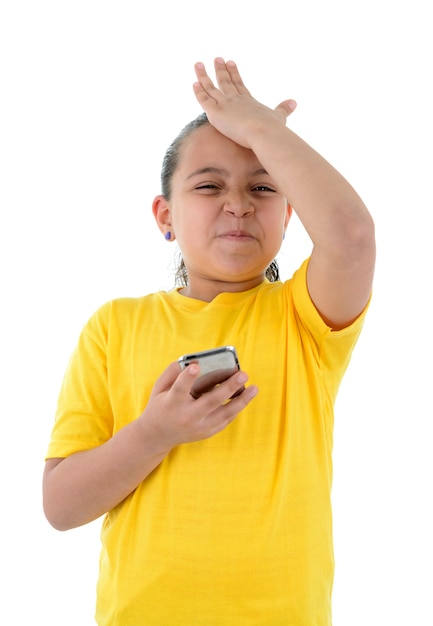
{"x": 286, "y": 107}
{"x": 167, "y": 378}
{"x": 172, "y": 373}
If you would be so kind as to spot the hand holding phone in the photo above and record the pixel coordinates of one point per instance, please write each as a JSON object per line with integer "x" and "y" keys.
{"x": 216, "y": 366}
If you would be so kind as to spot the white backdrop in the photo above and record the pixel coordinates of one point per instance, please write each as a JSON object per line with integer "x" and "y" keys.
{"x": 91, "y": 95}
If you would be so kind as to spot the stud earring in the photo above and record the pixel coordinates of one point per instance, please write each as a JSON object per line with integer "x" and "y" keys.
{"x": 284, "y": 235}
{"x": 168, "y": 235}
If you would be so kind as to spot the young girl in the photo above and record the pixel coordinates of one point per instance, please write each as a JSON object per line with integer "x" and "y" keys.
{"x": 217, "y": 509}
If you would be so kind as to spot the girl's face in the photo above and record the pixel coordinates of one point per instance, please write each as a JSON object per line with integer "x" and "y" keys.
{"x": 226, "y": 212}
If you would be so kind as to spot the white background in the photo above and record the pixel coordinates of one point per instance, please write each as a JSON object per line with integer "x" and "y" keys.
{"x": 91, "y": 95}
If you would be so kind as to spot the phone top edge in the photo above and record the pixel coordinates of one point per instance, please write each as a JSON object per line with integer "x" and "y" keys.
{"x": 210, "y": 352}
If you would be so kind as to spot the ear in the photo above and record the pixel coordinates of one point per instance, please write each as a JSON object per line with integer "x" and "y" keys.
{"x": 162, "y": 214}
{"x": 289, "y": 211}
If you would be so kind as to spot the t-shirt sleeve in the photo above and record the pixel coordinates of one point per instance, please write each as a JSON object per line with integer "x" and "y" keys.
{"x": 84, "y": 417}
{"x": 333, "y": 348}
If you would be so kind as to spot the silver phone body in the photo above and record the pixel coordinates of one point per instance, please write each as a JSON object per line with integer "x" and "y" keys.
{"x": 216, "y": 365}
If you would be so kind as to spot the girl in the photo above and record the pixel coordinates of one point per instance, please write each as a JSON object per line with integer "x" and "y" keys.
{"x": 217, "y": 509}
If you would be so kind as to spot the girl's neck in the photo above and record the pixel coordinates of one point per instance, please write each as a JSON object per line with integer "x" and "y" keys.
{"x": 207, "y": 290}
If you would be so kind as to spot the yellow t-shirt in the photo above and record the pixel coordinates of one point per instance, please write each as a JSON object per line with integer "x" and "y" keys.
{"x": 236, "y": 529}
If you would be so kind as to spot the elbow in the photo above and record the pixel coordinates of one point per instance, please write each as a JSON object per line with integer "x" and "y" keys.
{"x": 62, "y": 514}
{"x": 56, "y": 505}
{"x": 58, "y": 510}
{"x": 358, "y": 223}
{"x": 55, "y": 516}
{"x": 58, "y": 526}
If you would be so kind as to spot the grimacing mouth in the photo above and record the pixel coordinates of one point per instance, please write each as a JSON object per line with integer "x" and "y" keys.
{"x": 237, "y": 234}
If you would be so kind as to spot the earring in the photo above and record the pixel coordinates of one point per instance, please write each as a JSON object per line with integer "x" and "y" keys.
{"x": 167, "y": 235}
{"x": 284, "y": 235}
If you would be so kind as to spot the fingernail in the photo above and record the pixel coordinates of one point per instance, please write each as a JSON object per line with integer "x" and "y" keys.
{"x": 253, "y": 391}
{"x": 242, "y": 378}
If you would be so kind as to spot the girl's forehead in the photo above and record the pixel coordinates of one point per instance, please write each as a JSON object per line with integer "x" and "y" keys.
{"x": 206, "y": 145}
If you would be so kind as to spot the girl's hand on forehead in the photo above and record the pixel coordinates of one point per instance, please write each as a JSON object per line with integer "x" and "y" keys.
{"x": 230, "y": 107}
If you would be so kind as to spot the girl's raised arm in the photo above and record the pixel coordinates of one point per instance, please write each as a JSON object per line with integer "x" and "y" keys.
{"x": 341, "y": 267}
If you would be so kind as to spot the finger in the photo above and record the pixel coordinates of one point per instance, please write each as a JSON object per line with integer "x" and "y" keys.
{"x": 235, "y": 77}
{"x": 167, "y": 378}
{"x": 222, "y": 392}
{"x": 204, "y": 83}
{"x": 223, "y": 414}
{"x": 170, "y": 376}
{"x": 286, "y": 107}
{"x": 203, "y": 98}
{"x": 238, "y": 401}
{"x": 185, "y": 379}
{"x": 228, "y": 78}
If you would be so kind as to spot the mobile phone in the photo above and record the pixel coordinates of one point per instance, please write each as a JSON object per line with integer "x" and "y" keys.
{"x": 216, "y": 365}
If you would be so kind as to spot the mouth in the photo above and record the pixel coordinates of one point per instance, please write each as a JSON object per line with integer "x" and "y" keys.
{"x": 236, "y": 235}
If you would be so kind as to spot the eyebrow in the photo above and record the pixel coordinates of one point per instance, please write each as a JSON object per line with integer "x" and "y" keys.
{"x": 221, "y": 171}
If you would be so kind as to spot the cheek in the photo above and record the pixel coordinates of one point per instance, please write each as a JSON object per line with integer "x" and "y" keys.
{"x": 273, "y": 223}
{"x": 193, "y": 217}
{"x": 190, "y": 231}
{"x": 180, "y": 220}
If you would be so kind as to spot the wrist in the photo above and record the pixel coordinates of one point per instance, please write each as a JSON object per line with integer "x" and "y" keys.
{"x": 151, "y": 436}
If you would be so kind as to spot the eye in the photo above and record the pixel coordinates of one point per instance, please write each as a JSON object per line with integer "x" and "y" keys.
{"x": 208, "y": 188}
{"x": 263, "y": 188}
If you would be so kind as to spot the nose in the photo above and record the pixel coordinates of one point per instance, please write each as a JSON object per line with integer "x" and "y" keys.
{"x": 238, "y": 204}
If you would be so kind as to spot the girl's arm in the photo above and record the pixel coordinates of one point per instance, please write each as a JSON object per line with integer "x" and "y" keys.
{"x": 85, "y": 485}
{"x": 341, "y": 267}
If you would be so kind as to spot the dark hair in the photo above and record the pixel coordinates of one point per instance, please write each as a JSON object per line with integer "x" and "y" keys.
{"x": 171, "y": 158}
{"x": 169, "y": 166}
